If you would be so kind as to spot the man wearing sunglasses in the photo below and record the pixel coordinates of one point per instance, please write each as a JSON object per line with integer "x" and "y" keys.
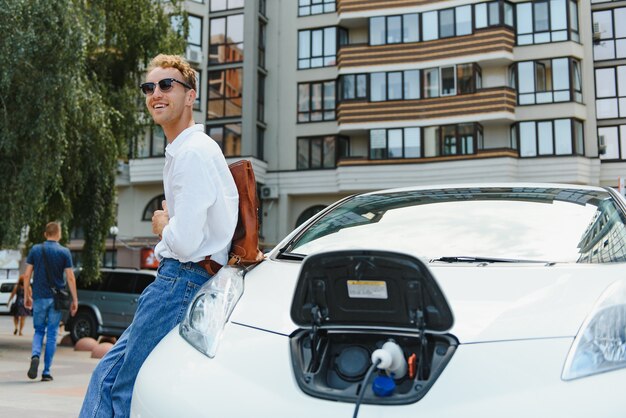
{"x": 197, "y": 221}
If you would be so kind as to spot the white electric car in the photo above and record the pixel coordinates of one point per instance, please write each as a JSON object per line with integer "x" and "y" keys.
{"x": 504, "y": 300}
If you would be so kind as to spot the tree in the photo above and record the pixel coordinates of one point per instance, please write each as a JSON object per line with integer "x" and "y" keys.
{"x": 70, "y": 107}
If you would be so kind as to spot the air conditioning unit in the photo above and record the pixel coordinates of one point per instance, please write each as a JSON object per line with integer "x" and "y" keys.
{"x": 269, "y": 192}
{"x": 193, "y": 55}
{"x": 601, "y": 145}
{"x": 597, "y": 32}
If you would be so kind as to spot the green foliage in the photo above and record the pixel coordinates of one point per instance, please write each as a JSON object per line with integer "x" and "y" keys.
{"x": 70, "y": 108}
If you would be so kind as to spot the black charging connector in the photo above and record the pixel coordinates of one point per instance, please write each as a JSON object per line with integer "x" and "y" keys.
{"x": 366, "y": 379}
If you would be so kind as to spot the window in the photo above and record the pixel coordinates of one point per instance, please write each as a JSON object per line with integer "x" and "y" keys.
{"x": 316, "y": 101}
{"x": 194, "y": 41}
{"x": 154, "y": 204}
{"x": 614, "y": 138}
{"x": 225, "y": 89}
{"x": 315, "y": 7}
{"x": 262, "y": 39}
{"x": 260, "y": 143}
{"x": 228, "y": 137}
{"x": 261, "y": 98}
{"x": 547, "y": 81}
{"x": 612, "y": 32}
{"x": 395, "y": 143}
{"x": 459, "y": 139}
{"x": 550, "y": 137}
{"x": 226, "y": 39}
{"x": 611, "y": 92}
{"x": 353, "y": 86}
{"x": 394, "y": 29}
{"x": 321, "y": 152}
{"x": 152, "y": 144}
{"x": 397, "y": 85}
{"x": 218, "y": 5}
{"x": 318, "y": 47}
{"x": 452, "y": 80}
{"x": 545, "y": 21}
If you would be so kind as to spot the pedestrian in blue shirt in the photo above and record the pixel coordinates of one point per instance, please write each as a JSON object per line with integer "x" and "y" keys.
{"x": 46, "y": 318}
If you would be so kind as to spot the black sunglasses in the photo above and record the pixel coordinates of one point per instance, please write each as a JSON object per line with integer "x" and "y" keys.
{"x": 164, "y": 85}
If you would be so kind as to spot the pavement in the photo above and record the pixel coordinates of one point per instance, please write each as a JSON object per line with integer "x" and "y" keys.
{"x": 24, "y": 398}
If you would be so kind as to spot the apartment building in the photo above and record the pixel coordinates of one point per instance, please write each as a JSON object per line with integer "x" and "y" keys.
{"x": 334, "y": 97}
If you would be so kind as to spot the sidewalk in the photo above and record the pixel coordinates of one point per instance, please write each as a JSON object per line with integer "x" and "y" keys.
{"x": 24, "y": 398}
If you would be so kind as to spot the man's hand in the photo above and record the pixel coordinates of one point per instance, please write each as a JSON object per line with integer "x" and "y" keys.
{"x": 73, "y": 307}
{"x": 160, "y": 219}
{"x": 28, "y": 302}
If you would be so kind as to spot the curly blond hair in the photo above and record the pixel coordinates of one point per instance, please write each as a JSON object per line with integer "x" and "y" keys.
{"x": 177, "y": 62}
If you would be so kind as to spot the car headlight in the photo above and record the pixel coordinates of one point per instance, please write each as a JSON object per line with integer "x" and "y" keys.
{"x": 209, "y": 310}
{"x": 600, "y": 344}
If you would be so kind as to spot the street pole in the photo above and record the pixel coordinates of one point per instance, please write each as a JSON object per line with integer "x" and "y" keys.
{"x": 113, "y": 231}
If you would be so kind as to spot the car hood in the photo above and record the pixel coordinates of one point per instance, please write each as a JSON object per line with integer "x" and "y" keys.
{"x": 491, "y": 302}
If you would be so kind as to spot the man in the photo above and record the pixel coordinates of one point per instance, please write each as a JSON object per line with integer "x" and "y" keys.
{"x": 46, "y": 318}
{"x": 197, "y": 221}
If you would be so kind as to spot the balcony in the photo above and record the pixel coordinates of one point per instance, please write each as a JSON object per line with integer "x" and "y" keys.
{"x": 499, "y": 99}
{"x": 346, "y": 6}
{"x": 483, "y": 41}
{"x": 483, "y": 153}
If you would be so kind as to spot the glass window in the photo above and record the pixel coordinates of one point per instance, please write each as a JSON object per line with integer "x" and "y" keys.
{"x": 605, "y": 82}
{"x": 314, "y": 7}
{"x": 429, "y": 25}
{"x": 361, "y": 86}
{"x": 394, "y": 86}
{"x": 412, "y": 142}
{"x": 316, "y": 101}
{"x": 348, "y": 87}
{"x": 480, "y": 11}
{"x": 195, "y": 30}
{"x": 563, "y": 133}
{"x": 544, "y": 130}
{"x": 377, "y": 30}
{"x": 378, "y": 144}
{"x": 378, "y": 87}
{"x": 545, "y": 21}
{"x": 610, "y": 137}
{"x": 528, "y": 139}
{"x": 494, "y": 13}
{"x": 412, "y": 84}
{"x": 225, "y": 91}
{"x": 394, "y": 143}
{"x": 448, "y": 81}
{"x": 394, "y": 29}
{"x": 226, "y": 39}
{"x": 228, "y": 137}
{"x": 410, "y": 28}
{"x": 550, "y": 137}
{"x": 548, "y": 81}
{"x": 446, "y": 23}
{"x": 431, "y": 82}
{"x": 611, "y": 32}
{"x": 465, "y": 78}
{"x": 463, "y": 20}
{"x": 317, "y": 48}
{"x": 154, "y": 204}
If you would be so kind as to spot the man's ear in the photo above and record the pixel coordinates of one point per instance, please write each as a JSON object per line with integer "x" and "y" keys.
{"x": 191, "y": 98}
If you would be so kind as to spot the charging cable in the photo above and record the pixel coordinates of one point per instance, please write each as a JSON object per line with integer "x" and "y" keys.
{"x": 390, "y": 358}
{"x": 364, "y": 387}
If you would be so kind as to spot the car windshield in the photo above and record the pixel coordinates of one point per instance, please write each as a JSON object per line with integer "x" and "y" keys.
{"x": 492, "y": 223}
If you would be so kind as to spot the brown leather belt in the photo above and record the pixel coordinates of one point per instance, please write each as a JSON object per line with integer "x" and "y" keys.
{"x": 212, "y": 267}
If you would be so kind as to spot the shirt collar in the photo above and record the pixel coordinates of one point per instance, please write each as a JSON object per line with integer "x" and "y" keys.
{"x": 177, "y": 143}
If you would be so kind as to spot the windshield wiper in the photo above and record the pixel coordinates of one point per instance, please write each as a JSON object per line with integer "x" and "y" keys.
{"x": 468, "y": 259}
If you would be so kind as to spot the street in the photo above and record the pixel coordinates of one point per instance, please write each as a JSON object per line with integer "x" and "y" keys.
{"x": 25, "y": 398}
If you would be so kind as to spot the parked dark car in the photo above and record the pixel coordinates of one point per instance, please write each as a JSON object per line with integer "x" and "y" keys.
{"x": 108, "y": 307}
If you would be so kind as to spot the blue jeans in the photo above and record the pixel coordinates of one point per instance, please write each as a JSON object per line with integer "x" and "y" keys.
{"x": 46, "y": 321}
{"x": 161, "y": 307}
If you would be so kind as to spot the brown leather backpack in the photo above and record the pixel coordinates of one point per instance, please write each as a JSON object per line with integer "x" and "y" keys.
{"x": 244, "y": 249}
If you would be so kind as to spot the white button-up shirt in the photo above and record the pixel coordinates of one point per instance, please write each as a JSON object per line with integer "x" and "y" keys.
{"x": 202, "y": 200}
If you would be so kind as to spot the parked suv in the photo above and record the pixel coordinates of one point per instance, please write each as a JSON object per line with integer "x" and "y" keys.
{"x": 108, "y": 307}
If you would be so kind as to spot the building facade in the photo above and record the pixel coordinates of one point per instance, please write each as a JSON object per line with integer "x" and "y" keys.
{"x": 334, "y": 97}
